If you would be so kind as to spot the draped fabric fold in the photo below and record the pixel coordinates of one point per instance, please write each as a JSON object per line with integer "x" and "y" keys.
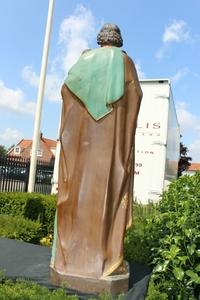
{"x": 95, "y": 187}
{"x": 97, "y": 79}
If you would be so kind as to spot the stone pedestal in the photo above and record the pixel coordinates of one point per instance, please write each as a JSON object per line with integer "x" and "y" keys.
{"x": 114, "y": 284}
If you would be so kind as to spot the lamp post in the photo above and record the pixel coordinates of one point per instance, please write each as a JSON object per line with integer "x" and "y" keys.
{"x": 36, "y": 134}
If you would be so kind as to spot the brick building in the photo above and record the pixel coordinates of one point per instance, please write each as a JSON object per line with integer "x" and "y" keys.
{"x": 46, "y": 149}
{"x": 193, "y": 168}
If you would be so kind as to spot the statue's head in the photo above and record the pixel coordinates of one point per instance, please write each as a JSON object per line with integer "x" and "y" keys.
{"x": 110, "y": 35}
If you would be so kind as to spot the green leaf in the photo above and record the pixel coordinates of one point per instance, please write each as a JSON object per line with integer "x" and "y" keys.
{"x": 177, "y": 239}
{"x": 178, "y": 273}
{"x": 188, "y": 232}
{"x": 198, "y": 252}
{"x": 197, "y": 268}
{"x": 181, "y": 221}
{"x": 161, "y": 267}
{"x": 191, "y": 249}
{"x": 158, "y": 268}
{"x": 171, "y": 254}
{"x": 194, "y": 276}
{"x": 183, "y": 258}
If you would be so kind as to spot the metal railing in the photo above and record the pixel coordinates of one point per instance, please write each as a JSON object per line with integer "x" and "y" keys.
{"x": 14, "y": 174}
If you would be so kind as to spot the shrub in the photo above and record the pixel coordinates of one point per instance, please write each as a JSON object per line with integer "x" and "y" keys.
{"x": 47, "y": 240}
{"x": 155, "y": 292}
{"x": 25, "y": 290}
{"x": 19, "y": 228}
{"x": 174, "y": 238}
{"x": 30, "y": 205}
{"x": 136, "y": 248}
{"x": 108, "y": 296}
{"x": 49, "y": 204}
{"x": 167, "y": 236}
{"x": 24, "y": 204}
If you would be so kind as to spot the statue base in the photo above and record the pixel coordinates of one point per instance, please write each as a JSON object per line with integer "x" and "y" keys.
{"x": 114, "y": 284}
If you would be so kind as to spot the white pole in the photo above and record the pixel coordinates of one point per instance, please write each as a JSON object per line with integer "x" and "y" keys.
{"x": 57, "y": 158}
{"x": 36, "y": 134}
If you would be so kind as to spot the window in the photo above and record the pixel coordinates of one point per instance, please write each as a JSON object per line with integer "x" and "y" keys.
{"x": 17, "y": 150}
{"x": 39, "y": 152}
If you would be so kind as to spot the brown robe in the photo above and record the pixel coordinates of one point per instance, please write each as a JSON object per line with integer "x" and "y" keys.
{"x": 95, "y": 190}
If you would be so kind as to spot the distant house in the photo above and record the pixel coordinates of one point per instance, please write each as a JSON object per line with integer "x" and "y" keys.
{"x": 46, "y": 149}
{"x": 193, "y": 168}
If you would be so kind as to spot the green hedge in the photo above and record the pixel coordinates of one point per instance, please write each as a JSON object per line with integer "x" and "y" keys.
{"x": 49, "y": 204}
{"x": 25, "y": 290}
{"x": 19, "y": 228}
{"x": 173, "y": 236}
{"x": 166, "y": 235}
{"x": 30, "y": 205}
{"x": 136, "y": 247}
{"x": 155, "y": 292}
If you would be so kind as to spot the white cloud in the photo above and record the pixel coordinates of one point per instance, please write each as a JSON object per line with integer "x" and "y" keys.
{"x": 52, "y": 84}
{"x": 53, "y": 87}
{"x": 15, "y": 100}
{"x": 178, "y": 32}
{"x": 140, "y": 72}
{"x": 194, "y": 150}
{"x": 11, "y": 135}
{"x": 30, "y": 76}
{"x": 189, "y": 123}
{"x": 161, "y": 53}
{"x": 187, "y": 120}
{"x": 179, "y": 74}
{"x": 75, "y": 35}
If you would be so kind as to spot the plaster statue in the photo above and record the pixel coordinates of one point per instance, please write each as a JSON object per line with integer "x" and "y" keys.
{"x": 101, "y": 99}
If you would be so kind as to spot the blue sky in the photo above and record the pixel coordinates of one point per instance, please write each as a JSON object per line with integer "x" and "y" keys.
{"x": 162, "y": 37}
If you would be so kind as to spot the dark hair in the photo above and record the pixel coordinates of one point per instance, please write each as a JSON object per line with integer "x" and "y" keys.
{"x": 110, "y": 35}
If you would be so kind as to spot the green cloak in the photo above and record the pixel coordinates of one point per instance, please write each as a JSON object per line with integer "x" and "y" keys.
{"x": 97, "y": 79}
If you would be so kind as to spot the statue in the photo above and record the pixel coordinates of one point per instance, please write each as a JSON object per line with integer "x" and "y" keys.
{"x": 101, "y": 99}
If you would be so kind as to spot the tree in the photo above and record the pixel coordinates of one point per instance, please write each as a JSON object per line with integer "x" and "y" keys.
{"x": 3, "y": 151}
{"x": 184, "y": 160}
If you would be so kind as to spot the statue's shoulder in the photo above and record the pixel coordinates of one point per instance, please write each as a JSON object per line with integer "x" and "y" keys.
{"x": 131, "y": 73}
{"x": 86, "y": 51}
{"x": 127, "y": 57}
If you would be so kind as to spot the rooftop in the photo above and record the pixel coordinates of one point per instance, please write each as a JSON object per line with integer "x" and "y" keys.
{"x": 194, "y": 167}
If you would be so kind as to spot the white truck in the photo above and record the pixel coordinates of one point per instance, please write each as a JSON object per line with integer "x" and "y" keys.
{"x": 157, "y": 141}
